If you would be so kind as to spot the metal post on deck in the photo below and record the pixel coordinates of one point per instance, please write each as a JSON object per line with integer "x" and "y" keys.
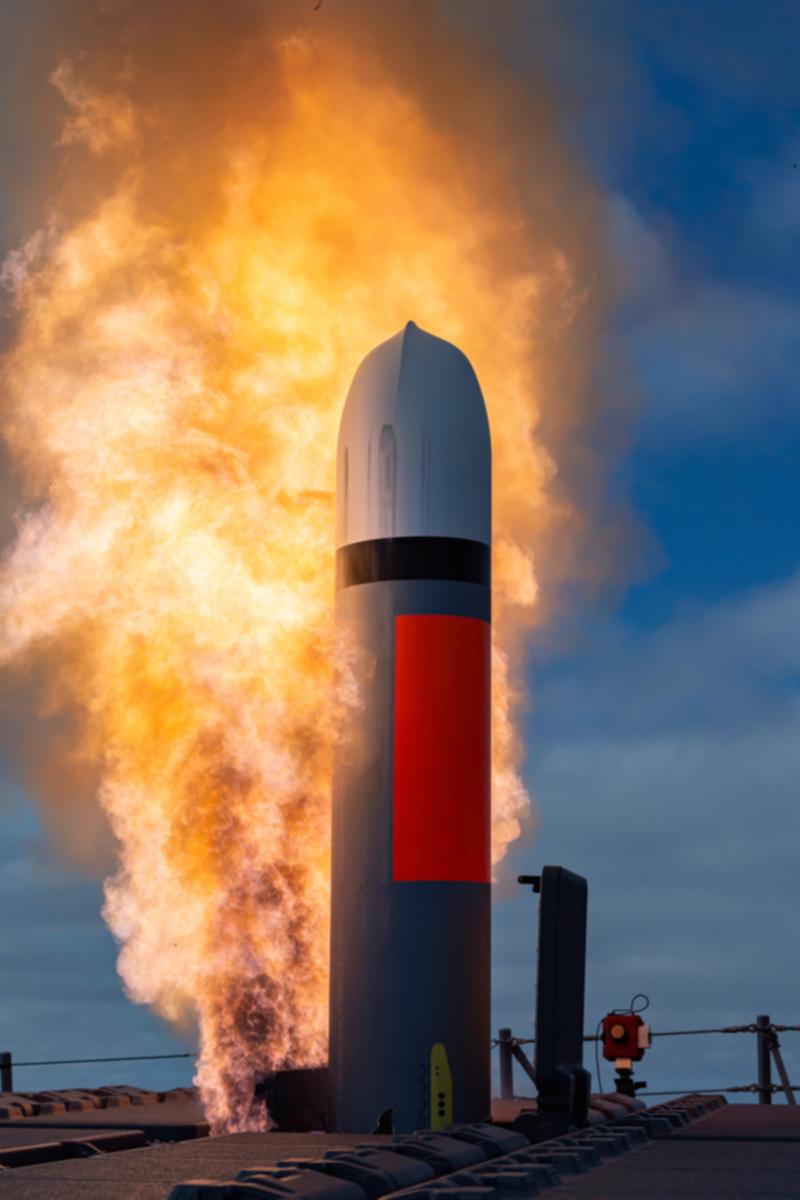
{"x": 763, "y": 1047}
{"x": 6, "y": 1072}
{"x": 562, "y": 1082}
{"x": 504, "y": 1046}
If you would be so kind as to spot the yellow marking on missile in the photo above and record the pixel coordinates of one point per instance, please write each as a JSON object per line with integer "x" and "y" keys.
{"x": 441, "y": 1088}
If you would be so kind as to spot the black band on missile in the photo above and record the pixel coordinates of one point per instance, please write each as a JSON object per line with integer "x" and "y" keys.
{"x": 382, "y": 559}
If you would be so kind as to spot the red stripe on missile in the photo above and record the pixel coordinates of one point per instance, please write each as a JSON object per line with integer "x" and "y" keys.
{"x": 441, "y": 749}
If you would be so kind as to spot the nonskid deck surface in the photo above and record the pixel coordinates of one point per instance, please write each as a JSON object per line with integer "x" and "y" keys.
{"x": 171, "y": 1120}
{"x": 151, "y": 1173}
{"x": 741, "y": 1152}
{"x": 103, "y": 1104}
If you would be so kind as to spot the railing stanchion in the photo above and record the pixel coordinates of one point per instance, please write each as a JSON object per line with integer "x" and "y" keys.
{"x": 6, "y": 1072}
{"x": 763, "y": 1047}
{"x": 504, "y": 1044}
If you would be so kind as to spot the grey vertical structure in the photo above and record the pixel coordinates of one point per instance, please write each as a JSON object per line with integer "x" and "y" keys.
{"x": 410, "y": 921}
{"x": 563, "y": 1083}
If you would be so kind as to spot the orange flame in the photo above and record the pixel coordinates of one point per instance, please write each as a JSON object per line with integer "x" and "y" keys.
{"x": 175, "y": 390}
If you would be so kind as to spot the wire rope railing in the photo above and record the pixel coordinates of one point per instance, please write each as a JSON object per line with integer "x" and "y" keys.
{"x": 510, "y": 1051}
{"x": 8, "y": 1063}
{"x": 767, "y": 1054}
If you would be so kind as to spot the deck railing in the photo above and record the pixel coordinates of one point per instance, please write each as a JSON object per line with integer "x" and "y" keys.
{"x": 510, "y": 1051}
{"x": 767, "y": 1052}
{"x": 8, "y": 1063}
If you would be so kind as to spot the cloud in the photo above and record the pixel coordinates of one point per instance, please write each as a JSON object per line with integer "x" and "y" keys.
{"x": 715, "y": 358}
{"x": 640, "y": 252}
{"x": 776, "y": 198}
{"x": 666, "y": 767}
{"x": 733, "y": 52}
{"x": 720, "y": 361}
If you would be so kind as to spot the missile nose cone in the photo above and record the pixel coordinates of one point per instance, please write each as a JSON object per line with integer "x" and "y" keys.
{"x": 414, "y": 453}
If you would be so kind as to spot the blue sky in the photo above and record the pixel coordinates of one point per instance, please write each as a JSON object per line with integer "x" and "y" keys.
{"x": 664, "y": 750}
{"x": 664, "y": 745}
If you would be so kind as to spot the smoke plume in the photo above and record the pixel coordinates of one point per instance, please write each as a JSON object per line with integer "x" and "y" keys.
{"x": 240, "y": 201}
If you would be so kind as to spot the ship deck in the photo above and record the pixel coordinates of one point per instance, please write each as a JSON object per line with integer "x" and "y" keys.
{"x": 747, "y": 1152}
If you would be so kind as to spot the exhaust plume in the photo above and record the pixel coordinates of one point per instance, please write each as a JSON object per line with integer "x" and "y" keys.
{"x": 245, "y": 199}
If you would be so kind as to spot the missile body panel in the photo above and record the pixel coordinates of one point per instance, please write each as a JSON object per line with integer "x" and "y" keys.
{"x": 410, "y": 970}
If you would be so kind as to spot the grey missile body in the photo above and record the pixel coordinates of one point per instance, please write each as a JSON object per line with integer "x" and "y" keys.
{"x": 410, "y": 920}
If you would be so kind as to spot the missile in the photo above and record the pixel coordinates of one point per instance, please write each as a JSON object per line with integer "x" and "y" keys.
{"x": 410, "y": 900}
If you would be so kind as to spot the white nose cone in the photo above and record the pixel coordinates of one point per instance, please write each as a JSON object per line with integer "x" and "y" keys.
{"x": 414, "y": 456}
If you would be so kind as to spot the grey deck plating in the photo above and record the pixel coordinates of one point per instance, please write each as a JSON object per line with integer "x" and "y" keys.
{"x": 759, "y": 1160}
